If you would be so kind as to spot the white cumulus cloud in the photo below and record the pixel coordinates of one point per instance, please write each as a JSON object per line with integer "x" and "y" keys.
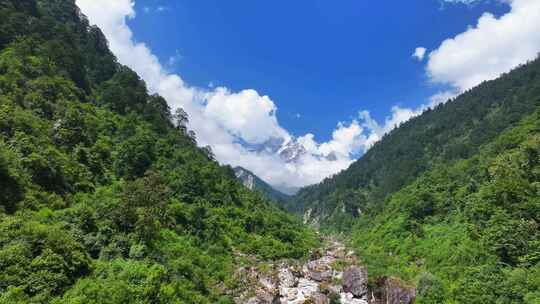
{"x": 483, "y": 52}
{"x": 468, "y": 2}
{"x": 346, "y": 140}
{"x": 230, "y": 122}
{"x": 488, "y": 49}
{"x": 227, "y": 121}
{"x": 377, "y": 131}
{"x": 247, "y": 114}
{"x": 419, "y": 53}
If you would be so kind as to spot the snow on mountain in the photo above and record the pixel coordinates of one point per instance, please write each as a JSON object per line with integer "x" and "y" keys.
{"x": 291, "y": 151}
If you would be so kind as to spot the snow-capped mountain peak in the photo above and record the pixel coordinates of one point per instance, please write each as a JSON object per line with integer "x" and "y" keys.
{"x": 291, "y": 151}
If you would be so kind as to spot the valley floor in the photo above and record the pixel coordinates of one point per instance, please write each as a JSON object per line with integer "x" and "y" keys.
{"x": 333, "y": 274}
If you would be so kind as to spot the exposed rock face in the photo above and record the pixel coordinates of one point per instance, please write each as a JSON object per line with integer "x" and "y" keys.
{"x": 247, "y": 179}
{"x": 305, "y": 290}
{"x": 317, "y": 281}
{"x": 320, "y": 298}
{"x": 397, "y": 293}
{"x": 393, "y": 291}
{"x": 291, "y": 151}
{"x": 348, "y": 298}
{"x": 286, "y": 278}
{"x": 320, "y": 270}
{"x": 355, "y": 281}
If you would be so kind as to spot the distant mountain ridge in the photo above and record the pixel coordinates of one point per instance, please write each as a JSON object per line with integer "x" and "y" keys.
{"x": 451, "y": 131}
{"x": 289, "y": 149}
{"x": 254, "y": 183}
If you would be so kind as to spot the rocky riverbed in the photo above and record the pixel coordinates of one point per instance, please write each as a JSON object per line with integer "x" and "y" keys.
{"x": 332, "y": 275}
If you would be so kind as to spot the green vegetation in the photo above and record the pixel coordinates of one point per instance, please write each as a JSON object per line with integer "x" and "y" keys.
{"x": 449, "y": 201}
{"x": 105, "y": 196}
{"x": 467, "y": 232}
{"x": 449, "y": 133}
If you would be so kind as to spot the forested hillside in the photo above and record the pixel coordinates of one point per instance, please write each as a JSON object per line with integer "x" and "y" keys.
{"x": 450, "y": 132}
{"x": 466, "y": 232}
{"x": 449, "y": 201}
{"x": 105, "y": 197}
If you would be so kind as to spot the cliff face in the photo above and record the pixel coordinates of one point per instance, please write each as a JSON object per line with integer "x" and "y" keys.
{"x": 254, "y": 183}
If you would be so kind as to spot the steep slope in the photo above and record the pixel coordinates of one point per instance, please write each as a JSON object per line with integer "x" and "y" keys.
{"x": 466, "y": 232}
{"x": 103, "y": 198}
{"x": 449, "y": 201}
{"x": 450, "y": 132}
{"x": 254, "y": 183}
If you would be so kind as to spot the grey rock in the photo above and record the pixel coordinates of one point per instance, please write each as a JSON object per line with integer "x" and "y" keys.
{"x": 319, "y": 298}
{"x": 307, "y": 287}
{"x": 397, "y": 293}
{"x": 348, "y": 298}
{"x": 320, "y": 270}
{"x": 253, "y": 300}
{"x": 320, "y": 276}
{"x": 355, "y": 281}
{"x": 286, "y": 278}
{"x": 263, "y": 297}
{"x": 335, "y": 289}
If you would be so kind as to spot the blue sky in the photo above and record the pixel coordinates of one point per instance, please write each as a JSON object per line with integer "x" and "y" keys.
{"x": 324, "y": 60}
{"x": 331, "y": 77}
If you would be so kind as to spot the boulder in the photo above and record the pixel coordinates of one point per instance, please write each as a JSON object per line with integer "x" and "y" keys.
{"x": 335, "y": 289}
{"x": 355, "y": 281}
{"x": 305, "y": 290}
{"x": 320, "y": 270}
{"x": 396, "y": 292}
{"x": 253, "y": 300}
{"x": 319, "y": 298}
{"x": 320, "y": 276}
{"x": 292, "y": 295}
{"x": 267, "y": 283}
{"x": 307, "y": 287}
{"x": 263, "y": 297}
{"x": 286, "y": 278}
{"x": 348, "y": 298}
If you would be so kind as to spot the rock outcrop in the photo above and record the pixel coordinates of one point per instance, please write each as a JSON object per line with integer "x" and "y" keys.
{"x": 355, "y": 281}
{"x": 396, "y": 292}
{"x": 393, "y": 291}
{"x": 331, "y": 275}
